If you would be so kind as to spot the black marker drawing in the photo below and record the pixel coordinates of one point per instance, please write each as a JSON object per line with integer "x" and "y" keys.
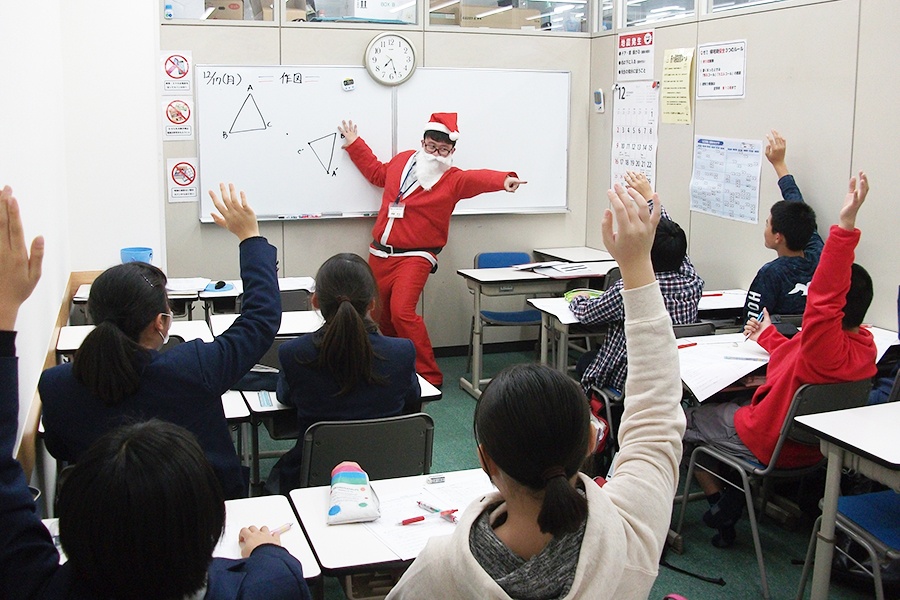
{"x": 249, "y": 117}
{"x": 323, "y": 148}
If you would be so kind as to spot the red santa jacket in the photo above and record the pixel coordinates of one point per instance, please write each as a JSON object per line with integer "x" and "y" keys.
{"x": 426, "y": 220}
{"x": 821, "y": 353}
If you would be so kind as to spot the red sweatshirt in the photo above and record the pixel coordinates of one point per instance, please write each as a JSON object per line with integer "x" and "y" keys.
{"x": 821, "y": 353}
{"x": 426, "y": 221}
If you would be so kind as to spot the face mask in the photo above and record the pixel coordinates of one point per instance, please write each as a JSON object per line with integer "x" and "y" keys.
{"x": 165, "y": 338}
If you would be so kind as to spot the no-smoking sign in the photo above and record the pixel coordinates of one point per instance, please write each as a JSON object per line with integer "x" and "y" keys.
{"x": 182, "y": 180}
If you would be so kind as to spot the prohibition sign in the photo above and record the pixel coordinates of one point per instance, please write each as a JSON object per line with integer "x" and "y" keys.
{"x": 177, "y": 66}
{"x": 178, "y": 112}
{"x": 183, "y": 174}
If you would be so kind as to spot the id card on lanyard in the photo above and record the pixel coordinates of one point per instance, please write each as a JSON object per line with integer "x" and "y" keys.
{"x": 397, "y": 208}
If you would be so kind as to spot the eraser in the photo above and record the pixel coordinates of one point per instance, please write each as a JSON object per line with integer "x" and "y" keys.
{"x": 434, "y": 479}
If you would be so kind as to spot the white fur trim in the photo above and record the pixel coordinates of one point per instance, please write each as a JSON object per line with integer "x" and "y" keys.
{"x": 435, "y": 126}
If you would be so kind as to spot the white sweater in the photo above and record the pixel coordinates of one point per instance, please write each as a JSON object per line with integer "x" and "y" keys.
{"x": 628, "y": 518}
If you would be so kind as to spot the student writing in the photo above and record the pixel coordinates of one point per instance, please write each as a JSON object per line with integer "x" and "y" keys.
{"x": 119, "y": 375}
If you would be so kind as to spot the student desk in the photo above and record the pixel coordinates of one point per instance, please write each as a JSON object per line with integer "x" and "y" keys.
{"x": 863, "y": 439}
{"x": 264, "y": 404}
{"x": 225, "y": 300}
{"x": 293, "y": 323}
{"x": 354, "y": 547}
{"x": 508, "y": 281}
{"x": 71, "y": 336}
{"x": 271, "y": 511}
{"x": 182, "y": 300}
{"x": 574, "y": 254}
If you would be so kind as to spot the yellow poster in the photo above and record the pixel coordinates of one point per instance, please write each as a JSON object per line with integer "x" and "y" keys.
{"x": 676, "y": 86}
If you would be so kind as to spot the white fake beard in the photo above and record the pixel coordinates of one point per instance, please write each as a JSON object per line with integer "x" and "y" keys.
{"x": 430, "y": 168}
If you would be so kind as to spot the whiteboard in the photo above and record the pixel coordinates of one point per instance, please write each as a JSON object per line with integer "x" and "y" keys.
{"x": 272, "y": 131}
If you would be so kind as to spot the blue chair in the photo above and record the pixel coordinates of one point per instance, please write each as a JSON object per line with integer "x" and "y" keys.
{"x": 873, "y": 522}
{"x": 520, "y": 318}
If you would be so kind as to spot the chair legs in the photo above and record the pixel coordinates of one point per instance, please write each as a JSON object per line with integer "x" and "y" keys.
{"x": 748, "y": 496}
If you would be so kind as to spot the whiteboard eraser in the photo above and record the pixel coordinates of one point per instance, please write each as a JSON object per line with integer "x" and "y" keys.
{"x": 349, "y": 84}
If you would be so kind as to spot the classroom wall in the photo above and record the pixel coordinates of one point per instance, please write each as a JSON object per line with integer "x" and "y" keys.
{"x": 817, "y": 73}
{"x": 447, "y": 305}
{"x": 80, "y": 146}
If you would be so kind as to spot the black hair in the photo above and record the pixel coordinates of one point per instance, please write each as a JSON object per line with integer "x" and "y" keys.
{"x": 796, "y": 221}
{"x": 141, "y": 512}
{"x": 859, "y": 297}
{"x": 124, "y": 299}
{"x": 345, "y": 289}
{"x": 438, "y": 136}
{"x": 669, "y": 246}
{"x": 534, "y": 424}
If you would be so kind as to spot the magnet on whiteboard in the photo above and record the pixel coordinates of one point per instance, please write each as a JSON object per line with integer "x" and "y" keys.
{"x": 349, "y": 84}
{"x": 598, "y": 101}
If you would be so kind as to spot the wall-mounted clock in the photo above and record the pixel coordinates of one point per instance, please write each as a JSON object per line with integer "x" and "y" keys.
{"x": 390, "y": 58}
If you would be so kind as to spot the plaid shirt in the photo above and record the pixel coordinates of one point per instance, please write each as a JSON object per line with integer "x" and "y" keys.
{"x": 681, "y": 291}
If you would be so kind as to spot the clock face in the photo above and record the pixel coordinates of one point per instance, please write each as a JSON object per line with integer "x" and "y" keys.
{"x": 390, "y": 59}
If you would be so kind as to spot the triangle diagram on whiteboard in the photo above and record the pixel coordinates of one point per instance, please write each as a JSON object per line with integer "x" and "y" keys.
{"x": 249, "y": 118}
{"x": 323, "y": 148}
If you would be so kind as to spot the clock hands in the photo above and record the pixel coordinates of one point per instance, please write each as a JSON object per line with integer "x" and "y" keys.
{"x": 391, "y": 60}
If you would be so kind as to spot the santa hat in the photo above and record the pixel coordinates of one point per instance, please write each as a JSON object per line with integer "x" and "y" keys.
{"x": 445, "y": 123}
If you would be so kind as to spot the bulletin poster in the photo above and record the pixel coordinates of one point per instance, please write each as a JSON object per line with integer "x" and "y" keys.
{"x": 725, "y": 182}
{"x": 635, "y": 135}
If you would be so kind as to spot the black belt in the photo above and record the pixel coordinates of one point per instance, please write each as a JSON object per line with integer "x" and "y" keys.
{"x": 395, "y": 250}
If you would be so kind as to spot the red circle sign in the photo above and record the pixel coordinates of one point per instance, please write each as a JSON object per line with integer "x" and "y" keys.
{"x": 178, "y": 112}
{"x": 177, "y": 66}
{"x": 183, "y": 174}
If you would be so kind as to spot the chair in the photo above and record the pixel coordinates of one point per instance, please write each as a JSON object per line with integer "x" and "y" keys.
{"x": 520, "y": 318}
{"x": 384, "y": 448}
{"x": 808, "y": 399}
{"x": 290, "y": 300}
{"x": 694, "y": 329}
{"x": 873, "y": 522}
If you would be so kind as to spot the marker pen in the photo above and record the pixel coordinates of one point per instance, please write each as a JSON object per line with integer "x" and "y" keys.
{"x": 688, "y": 345}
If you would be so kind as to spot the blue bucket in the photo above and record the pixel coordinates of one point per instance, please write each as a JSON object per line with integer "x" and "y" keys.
{"x": 140, "y": 254}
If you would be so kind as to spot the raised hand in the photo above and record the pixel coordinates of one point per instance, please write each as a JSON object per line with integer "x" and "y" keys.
{"x": 348, "y": 130}
{"x": 775, "y": 151}
{"x": 854, "y": 200}
{"x": 631, "y": 244}
{"x": 638, "y": 181}
{"x": 235, "y": 214}
{"x": 19, "y": 271}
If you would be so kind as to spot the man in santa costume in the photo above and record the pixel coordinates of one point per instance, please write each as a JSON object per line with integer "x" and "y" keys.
{"x": 421, "y": 189}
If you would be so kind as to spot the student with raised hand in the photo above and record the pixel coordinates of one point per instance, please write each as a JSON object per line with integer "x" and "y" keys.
{"x": 781, "y": 286}
{"x": 139, "y": 516}
{"x": 679, "y": 282}
{"x": 831, "y": 348}
{"x": 549, "y": 531}
{"x": 347, "y": 370}
{"x": 119, "y": 376}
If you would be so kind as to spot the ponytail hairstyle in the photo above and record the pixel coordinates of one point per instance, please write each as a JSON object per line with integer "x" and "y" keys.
{"x": 124, "y": 299}
{"x": 141, "y": 512}
{"x": 345, "y": 289}
{"x": 534, "y": 424}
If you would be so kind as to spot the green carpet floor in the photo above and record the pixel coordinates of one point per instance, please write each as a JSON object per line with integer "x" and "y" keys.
{"x": 454, "y": 448}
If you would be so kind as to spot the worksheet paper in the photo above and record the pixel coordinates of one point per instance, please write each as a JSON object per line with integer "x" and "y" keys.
{"x": 406, "y": 541}
{"x": 725, "y": 182}
{"x": 711, "y": 363}
{"x": 635, "y": 134}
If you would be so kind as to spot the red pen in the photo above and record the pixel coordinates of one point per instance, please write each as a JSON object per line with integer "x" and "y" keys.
{"x": 708, "y": 295}
{"x": 412, "y": 520}
{"x": 688, "y": 345}
{"x": 447, "y": 515}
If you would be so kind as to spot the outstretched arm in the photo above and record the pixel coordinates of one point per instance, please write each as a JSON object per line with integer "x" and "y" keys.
{"x": 236, "y": 215}
{"x": 19, "y": 271}
{"x": 853, "y": 201}
{"x": 775, "y": 151}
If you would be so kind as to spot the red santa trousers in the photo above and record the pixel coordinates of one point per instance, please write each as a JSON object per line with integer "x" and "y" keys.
{"x": 400, "y": 282}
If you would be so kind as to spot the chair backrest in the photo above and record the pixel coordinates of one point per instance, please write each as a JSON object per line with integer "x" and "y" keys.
{"x": 816, "y": 398}
{"x": 693, "y": 329}
{"x": 290, "y": 300}
{"x": 387, "y": 447}
{"x": 270, "y": 358}
{"x": 795, "y": 320}
{"x": 612, "y": 276}
{"x": 173, "y": 341}
{"x": 493, "y": 260}
{"x": 895, "y": 390}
